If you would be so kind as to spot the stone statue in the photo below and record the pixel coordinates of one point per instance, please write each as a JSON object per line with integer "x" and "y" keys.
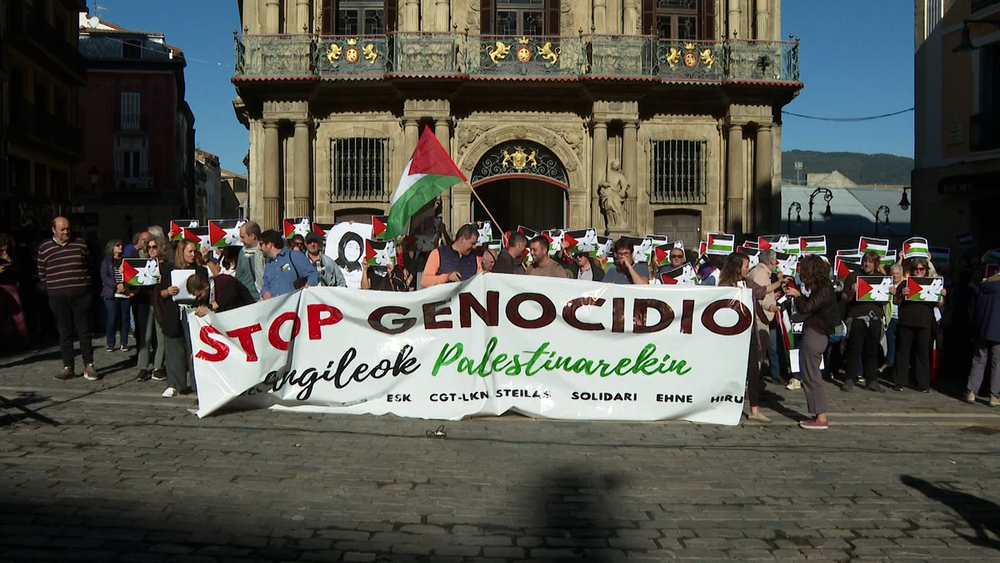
{"x": 613, "y": 193}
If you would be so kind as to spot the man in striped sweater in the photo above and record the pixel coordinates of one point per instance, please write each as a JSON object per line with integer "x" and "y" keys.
{"x": 63, "y": 267}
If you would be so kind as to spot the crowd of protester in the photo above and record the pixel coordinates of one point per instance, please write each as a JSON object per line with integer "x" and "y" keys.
{"x": 883, "y": 345}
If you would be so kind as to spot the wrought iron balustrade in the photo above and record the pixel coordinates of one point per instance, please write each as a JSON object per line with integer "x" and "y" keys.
{"x": 343, "y": 56}
{"x": 622, "y": 56}
{"x": 524, "y": 57}
{"x": 267, "y": 56}
{"x": 690, "y": 60}
{"x": 425, "y": 54}
{"x": 762, "y": 61}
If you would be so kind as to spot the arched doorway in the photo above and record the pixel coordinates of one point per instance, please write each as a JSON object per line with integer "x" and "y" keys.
{"x": 520, "y": 183}
{"x": 521, "y": 201}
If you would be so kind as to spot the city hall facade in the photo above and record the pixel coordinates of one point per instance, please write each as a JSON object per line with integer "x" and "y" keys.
{"x": 631, "y": 116}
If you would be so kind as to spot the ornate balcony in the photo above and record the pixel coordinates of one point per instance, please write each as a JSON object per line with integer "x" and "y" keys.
{"x": 539, "y": 56}
{"x": 363, "y": 56}
{"x": 420, "y": 54}
{"x": 275, "y": 56}
{"x": 425, "y": 54}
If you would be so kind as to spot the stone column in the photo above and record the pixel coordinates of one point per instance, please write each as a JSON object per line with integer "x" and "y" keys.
{"x": 272, "y": 177}
{"x": 411, "y": 134}
{"x": 734, "y": 180}
{"x": 763, "y": 20}
{"x": 600, "y": 16}
{"x": 273, "y": 12}
{"x": 630, "y": 169}
{"x": 442, "y": 14}
{"x": 763, "y": 166}
{"x": 735, "y": 29}
{"x": 301, "y": 16}
{"x": 442, "y": 130}
{"x": 632, "y": 20}
{"x": 600, "y": 170}
{"x": 411, "y": 13}
{"x": 303, "y": 172}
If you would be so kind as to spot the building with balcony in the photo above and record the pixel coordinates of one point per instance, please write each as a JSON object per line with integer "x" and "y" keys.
{"x": 138, "y": 159}
{"x": 956, "y": 177}
{"x": 42, "y": 145}
{"x": 632, "y": 116}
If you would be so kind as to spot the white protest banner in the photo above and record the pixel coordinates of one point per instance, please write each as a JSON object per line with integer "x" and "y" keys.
{"x": 542, "y": 347}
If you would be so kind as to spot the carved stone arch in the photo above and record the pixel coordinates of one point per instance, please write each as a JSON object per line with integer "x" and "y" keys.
{"x": 578, "y": 193}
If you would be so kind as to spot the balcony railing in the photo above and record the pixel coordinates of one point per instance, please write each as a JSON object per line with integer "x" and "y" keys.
{"x": 26, "y": 119}
{"x": 984, "y": 131}
{"x": 493, "y": 56}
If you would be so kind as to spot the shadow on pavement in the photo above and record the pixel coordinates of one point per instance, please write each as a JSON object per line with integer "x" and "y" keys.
{"x": 16, "y": 410}
{"x": 982, "y": 515}
{"x": 577, "y": 512}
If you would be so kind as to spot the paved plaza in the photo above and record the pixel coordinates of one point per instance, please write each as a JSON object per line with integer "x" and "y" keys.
{"x": 110, "y": 471}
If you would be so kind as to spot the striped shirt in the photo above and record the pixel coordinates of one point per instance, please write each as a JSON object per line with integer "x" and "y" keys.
{"x": 64, "y": 269}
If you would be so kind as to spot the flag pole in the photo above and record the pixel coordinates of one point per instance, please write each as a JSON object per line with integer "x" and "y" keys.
{"x": 499, "y": 227}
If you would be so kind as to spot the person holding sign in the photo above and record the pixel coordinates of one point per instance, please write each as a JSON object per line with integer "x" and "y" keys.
{"x": 143, "y": 303}
{"x": 168, "y": 314}
{"x": 864, "y": 321}
{"x": 916, "y": 319}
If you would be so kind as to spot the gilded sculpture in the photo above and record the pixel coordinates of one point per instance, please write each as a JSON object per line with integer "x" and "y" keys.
{"x": 707, "y": 58}
{"x": 333, "y": 53}
{"x": 548, "y": 53}
{"x": 673, "y": 57}
{"x": 519, "y": 159}
{"x": 499, "y": 52}
{"x": 370, "y": 53}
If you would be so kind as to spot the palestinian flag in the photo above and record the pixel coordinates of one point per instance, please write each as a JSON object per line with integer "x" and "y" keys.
{"x": 225, "y": 232}
{"x": 787, "y": 264}
{"x": 991, "y": 256}
{"x": 321, "y": 229}
{"x": 751, "y": 252}
{"x": 555, "y": 237}
{"x": 530, "y": 233}
{"x": 844, "y": 268}
{"x": 966, "y": 240}
{"x": 812, "y": 244}
{"x": 201, "y": 235}
{"x": 915, "y": 247}
{"x": 721, "y": 243}
{"x": 192, "y": 233}
{"x": 940, "y": 255}
{"x": 138, "y": 272}
{"x": 428, "y": 173}
{"x": 879, "y": 245}
{"x": 604, "y": 246}
{"x": 296, "y": 226}
{"x": 927, "y": 290}
{"x": 889, "y": 259}
{"x": 581, "y": 240}
{"x": 793, "y": 247}
{"x": 777, "y": 242}
{"x": 661, "y": 254}
{"x": 378, "y": 225}
{"x": 874, "y": 288}
{"x": 658, "y": 239}
{"x": 787, "y": 334}
{"x": 702, "y": 248}
{"x": 679, "y": 276}
{"x": 485, "y": 229}
{"x": 751, "y": 244}
{"x": 850, "y": 252}
{"x": 409, "y": 241}
{"x": 379, "y": 252}
{"x": 177, "y": 227}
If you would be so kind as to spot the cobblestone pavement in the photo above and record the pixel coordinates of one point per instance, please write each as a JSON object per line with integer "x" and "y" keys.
{"x": 110, "y": 471}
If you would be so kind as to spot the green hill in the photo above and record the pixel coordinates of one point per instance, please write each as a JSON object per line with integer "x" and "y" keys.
{"x": 862, "y": 168}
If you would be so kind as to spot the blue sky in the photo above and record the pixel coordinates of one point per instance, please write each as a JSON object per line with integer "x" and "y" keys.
{"x": 852, "y": 66}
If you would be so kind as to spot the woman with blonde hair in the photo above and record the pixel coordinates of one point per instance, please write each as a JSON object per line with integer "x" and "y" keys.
{"x": 172, "y": 319}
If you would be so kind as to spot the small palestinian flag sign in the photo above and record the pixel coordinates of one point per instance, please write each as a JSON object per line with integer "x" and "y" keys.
{"x": 940, "y": 255}
{"x": 604, "y": 246}
{"x": 880, "y": 245}
{"x": 966, "y": 240}
{"x": 915, "y": 247}
{"x": 296, "y": 226}
{"x": 581, "y": 240}
{"x": 752, "y": 253}
{"x": 225, "y": 232}
{"x": 779, "y": 243}
{"x": 874, "y": 288}
{"x": 793, "y": 247}
{"x": 530, "y": 233}
{"x": 661, "y": 254}
{"x": 658, "y": 239}
{"x": 926, "y": 290}
{"x": 812, "y": 244}
{"x": 379, "y": 223}
{"x": 991, "y": 256}
{"x": 642, "y": 249}
{"x": 200, "y": 234}
{"x": 177, "y": 227}
{"x": 850, "y": 252}
{"x": 555, "y": 238}
{"x": 379, "y": 252}
{"x": 702, "y": 248}
{"x": 685, "y": 275}
{"x": 321, "y": 229}
{"x": 139, "y": 272}
{"x": 889, "y": 259}
{"x": 751, "y": 244}
{"x": 721, "y": 243}
{"x": 788, "y": 264}
{"x": 485, "y": 229}
{"x": 844, "y": 266}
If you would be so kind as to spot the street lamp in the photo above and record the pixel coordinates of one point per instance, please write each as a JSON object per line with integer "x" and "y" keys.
{"x": 904, "y": 202}
{"x": 798, "y": 215}
{"x": 880, "y": 209}
{"x": 828, "y": 196}
{"x": 965, "y": 45}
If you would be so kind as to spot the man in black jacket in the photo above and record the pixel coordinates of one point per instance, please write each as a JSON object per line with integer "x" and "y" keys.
{"x": 509, "y": 259}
